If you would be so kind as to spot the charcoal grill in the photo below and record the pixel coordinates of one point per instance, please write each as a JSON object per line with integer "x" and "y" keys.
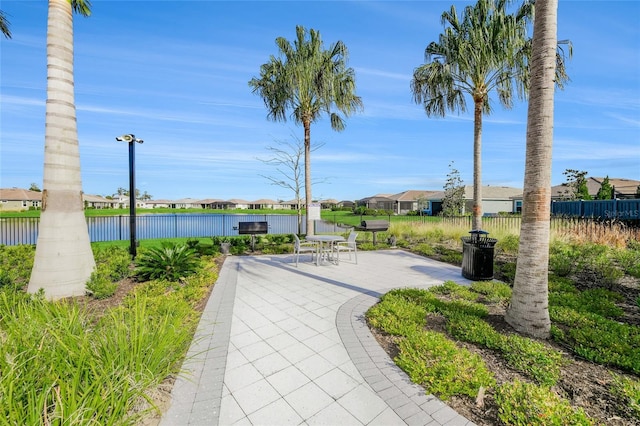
{"x": 253, "y": 228}
{"x": 373, "y": 226}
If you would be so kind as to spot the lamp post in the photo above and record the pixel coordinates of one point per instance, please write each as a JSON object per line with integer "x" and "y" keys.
{"x": 130, "y": 139}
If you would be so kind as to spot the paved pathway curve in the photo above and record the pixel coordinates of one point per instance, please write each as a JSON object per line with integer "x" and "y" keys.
{"x": 280, "y": 345}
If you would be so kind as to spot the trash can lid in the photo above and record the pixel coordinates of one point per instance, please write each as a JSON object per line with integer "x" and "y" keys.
{"x": 479, "y": 232}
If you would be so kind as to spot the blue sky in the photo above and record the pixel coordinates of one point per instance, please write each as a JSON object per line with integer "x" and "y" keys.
{"x": 175, "y": 74}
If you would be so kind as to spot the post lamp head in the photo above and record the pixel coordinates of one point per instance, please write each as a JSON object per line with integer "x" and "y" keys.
{"x": 128, "y": 138}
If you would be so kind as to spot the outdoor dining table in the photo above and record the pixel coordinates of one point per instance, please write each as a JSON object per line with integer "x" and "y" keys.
{"x": 321, "y": 240}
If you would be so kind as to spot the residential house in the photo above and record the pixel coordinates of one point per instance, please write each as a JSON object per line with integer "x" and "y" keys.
{"x": 98, "y": 202}
{"x": 412, "y": 200}
{"x": 265, "y": 204}
{"x": 328, "y": 204}
{"x": 495, "y": 199}
{"x": 622, "y": 188}
{"x": 157, "y": 204}
{"x": 18, "y": 199}
{"x": 377, "y": 202}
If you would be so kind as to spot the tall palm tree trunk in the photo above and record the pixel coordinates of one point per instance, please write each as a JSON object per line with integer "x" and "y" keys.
{"x": 528, "y": 311}
{"x": 307, "y": 175}
{"x": 63, "y": 260}
{"x": 476, "y": 223}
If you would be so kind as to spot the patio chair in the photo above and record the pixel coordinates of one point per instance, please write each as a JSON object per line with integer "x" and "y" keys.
{"x": 303, "y": 247}
{"x": 348, "y": 246}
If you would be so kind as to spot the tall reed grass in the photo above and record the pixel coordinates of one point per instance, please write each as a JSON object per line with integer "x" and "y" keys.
{"x": 611, "y": 234}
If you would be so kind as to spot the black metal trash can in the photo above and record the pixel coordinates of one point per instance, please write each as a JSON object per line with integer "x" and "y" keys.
{"x": 477, "y": 256}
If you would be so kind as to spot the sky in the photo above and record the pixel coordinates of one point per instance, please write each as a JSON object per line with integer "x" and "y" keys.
{"x": 176, "y": 73}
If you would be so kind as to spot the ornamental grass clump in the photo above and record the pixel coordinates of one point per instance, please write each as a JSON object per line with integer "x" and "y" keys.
{"x": 60, "y": 366}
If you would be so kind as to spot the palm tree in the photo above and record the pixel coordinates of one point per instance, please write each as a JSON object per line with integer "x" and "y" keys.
{"x": 309, "y": 81}
{"x": 528, "y": 311}
{"x": 485, "y": 51}
{"x": 4, "y": 25}
{"x": 63, "y": 260}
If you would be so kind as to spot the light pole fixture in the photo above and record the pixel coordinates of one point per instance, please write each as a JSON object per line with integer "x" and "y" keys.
{"x": 130, "y": 139}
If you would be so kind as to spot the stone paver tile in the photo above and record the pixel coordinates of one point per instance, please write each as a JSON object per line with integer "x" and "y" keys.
{"x": 245, "y": 339}
{"x": 287, "y": 380}
{"x": 230, "y": 411}
{"x": 296, "y": 353}
{"x": 308, "y": 400}
{"x": 363, "y": 403}
{"x": 255, "y": 396}
{"x": 314, "y": 366}
{"x": 386, "y": 418}
{"x": 281, "y": 341}
{"x": 241, "y": 376}
{"x": 336, "y": 383}
{"x": 256, "y": 350}
{"x": 271, "y": 364}
{"x": 334, "y": 414}
{"x": 277, "y": 413}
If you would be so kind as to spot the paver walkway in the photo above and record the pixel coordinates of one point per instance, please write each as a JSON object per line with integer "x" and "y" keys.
{"x": 280, "y": 345}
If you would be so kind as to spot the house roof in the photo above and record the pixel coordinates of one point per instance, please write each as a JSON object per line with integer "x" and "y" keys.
{"x": 493, "y": 192}
{"x": 412, "y": 195}
{"x": 622, "y": 187}
{"x": 19, "y": 194}
{"x": 264, "y": 201}
{"x": 97, "y": 199}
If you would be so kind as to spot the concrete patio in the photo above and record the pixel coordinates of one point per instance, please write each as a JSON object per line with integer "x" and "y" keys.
{"x": 280, "y": 345}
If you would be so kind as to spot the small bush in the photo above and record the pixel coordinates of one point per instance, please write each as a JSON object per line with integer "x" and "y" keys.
{"x": 444, "y": 369}
{"x": 629, "y": 390}
{"x": 16, "y": 263}
{"x": 100, "y": 285}
{"x": 508, "y": 244}
{"x": 114, "y": 261}
{"x": 598, "y": 301}
{"x": 629, "y": 261}
{"x": 395, "y": 315}
{"x": 493, "y": 291}
{"x": 424, "y": 249}
{"x": 562, "y": 258}
{"x": 455, "y": 291}
{"x": 528, "y": 356}
{"x": 168, "y": 262}
{"x": 598, "y": 339}
{"x": 526, "y": 404}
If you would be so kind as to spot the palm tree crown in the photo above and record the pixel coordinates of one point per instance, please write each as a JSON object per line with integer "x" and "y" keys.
{"x": 308, "y": 81}
{"x": 486, "y": 50}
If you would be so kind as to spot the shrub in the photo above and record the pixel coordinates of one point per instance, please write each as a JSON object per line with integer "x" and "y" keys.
{"x": 395, "y": 315}
{"x": 444, "y": 369}
{"x": 16, "y": 263}
{"x": 454, "y": 291}
{"x": 629, "y": 390}
{"x": 598, "y": 301}
{"x": 526, "y": 404}
{"x": 629, "y": 260}
{"x": 100, "y": 284}
{"x": 115, "y": 262}
{"x": 562, "y": 258}
{"x": 493, "y": 291}
{"x": 598, "y": 339}
{"x": 528, "y": 356}
{"x": 170, "y": 262}
{"x": 508, "y": 244}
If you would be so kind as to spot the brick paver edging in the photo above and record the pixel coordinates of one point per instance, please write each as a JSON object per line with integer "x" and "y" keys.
{"x": 392, "y": 384}
{"x": 197, "y": 392}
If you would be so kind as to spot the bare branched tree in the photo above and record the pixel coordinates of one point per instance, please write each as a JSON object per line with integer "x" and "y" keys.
{"x": 288, "y": 159}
